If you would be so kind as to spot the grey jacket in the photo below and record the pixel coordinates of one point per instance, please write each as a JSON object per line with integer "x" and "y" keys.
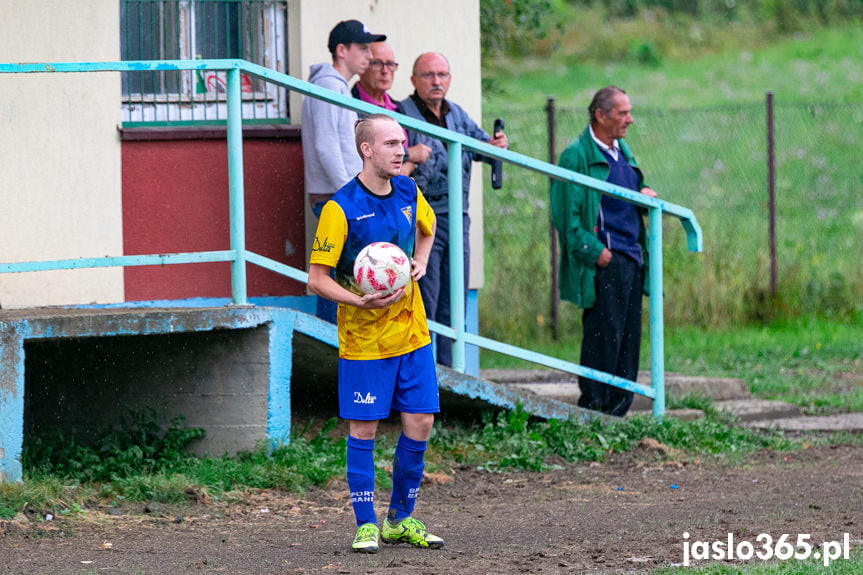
{"x": 431, "y": 175}
{"x": 330, "y": 157}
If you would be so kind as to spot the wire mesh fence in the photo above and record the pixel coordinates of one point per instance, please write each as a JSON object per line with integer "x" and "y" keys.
{"x": 714, "y": 161}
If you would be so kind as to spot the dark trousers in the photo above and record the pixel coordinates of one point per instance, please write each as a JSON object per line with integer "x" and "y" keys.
{"x": 434, "y": 286}
{"x": 612, "y": 334}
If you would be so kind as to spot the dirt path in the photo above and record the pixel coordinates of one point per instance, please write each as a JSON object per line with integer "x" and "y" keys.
{"x": 624, "y": 515}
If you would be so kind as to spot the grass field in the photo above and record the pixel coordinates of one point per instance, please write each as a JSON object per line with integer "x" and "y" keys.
{"x": 805, "y": 68}
{"x": 700, "y": 136}
{"x": 850, "y": 566}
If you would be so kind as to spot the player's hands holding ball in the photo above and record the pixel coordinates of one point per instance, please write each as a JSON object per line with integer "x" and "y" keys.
{"x": 380, "y": 299}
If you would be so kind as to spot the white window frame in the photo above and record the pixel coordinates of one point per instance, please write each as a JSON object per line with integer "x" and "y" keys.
{"x": 267, "y": 103}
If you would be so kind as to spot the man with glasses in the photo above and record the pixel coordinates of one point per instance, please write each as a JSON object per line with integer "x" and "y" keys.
{"x": 431, "y": 79}
{"x": 373, "y": 87}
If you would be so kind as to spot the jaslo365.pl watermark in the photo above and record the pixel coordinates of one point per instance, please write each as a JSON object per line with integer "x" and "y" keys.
{"x": 765, "y": 549}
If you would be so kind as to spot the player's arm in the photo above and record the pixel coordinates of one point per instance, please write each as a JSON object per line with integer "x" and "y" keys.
{"x": 422, "y": 250}
{"x": 321, "y": 284}
{"x": 424, "y": 240}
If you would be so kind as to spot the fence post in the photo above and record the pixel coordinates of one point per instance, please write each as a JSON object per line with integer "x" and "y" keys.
{"x": 771, "y": 196}
{"x": 552, "y": 158}
{"x": 456, "y": 253}
{"x": 657, "y": 322}
{"x": 235, "y": 188}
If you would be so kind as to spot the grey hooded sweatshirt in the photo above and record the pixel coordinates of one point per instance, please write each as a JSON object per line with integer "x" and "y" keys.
{"x": 330, "y": 155}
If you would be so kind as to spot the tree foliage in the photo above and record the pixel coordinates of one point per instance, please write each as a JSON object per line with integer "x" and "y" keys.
{"x": 512, "y": 26}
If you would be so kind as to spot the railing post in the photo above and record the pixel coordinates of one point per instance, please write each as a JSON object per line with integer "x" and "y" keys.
{"x": 554, "y": 295}
{"x": 456, "y": 254}
{"x": 771, "y": 198}
{"x": 657, "y": 324}
{"x": 235, "y": 188}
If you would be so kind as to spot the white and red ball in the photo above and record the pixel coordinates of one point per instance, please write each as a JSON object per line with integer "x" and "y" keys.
{"x": 382, "y": 267}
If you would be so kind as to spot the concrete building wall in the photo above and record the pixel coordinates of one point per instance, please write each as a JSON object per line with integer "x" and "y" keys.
{"x": 412, "y": 28}
{"x": 60, "y": 152}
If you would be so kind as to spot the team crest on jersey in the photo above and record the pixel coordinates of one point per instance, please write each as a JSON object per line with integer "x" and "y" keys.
{"x": 324, "y": 246}
{"x": 409, "y": 213}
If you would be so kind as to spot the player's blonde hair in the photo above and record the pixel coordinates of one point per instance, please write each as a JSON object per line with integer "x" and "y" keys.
{"x": 364, "y": 129}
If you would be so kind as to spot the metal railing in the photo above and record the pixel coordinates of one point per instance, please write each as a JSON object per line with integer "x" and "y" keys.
{"x": 239, "y": 256}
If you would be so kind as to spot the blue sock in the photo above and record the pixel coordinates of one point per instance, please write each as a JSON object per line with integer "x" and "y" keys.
{"x": 408, "y": 468}
{"x": 361, "y": 478}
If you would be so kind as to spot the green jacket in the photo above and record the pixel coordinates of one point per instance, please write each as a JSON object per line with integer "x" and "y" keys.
{"x": 574, "y": 210}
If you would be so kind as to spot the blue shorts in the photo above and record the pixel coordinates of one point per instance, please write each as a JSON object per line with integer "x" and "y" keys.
{"x": 370, "y": 388}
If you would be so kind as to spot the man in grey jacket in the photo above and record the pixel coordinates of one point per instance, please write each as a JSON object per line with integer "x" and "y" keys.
{"x": 329, "y": 153}
{"x": 431, "y": 79}
{"x": 330, "y": 158}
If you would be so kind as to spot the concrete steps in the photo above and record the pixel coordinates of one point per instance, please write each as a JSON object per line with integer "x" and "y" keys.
{"x": 728, "y": 394}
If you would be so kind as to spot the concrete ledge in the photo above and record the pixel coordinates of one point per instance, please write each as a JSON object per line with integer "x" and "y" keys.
{"x": 754, "y": 409}
{"x": 226, "y": 369}
{"x": 507, "y": 396}
{"x": 851, "y": 422}
{"x": 562, "y": 386}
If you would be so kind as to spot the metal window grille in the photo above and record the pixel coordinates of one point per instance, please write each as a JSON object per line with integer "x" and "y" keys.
{"x": 254, "y": 30}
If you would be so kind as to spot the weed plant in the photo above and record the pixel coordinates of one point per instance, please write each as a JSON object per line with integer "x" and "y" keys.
{"x": 512, "y": 440}
{"x": 138, "y": 447}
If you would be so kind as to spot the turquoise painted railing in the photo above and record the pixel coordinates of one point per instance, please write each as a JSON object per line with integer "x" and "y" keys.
{"x": 239, "y": 256}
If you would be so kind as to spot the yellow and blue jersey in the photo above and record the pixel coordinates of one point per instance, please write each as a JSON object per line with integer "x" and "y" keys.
{"x": 352, "y": 219}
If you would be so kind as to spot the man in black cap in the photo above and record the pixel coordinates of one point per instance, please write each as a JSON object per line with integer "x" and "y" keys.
{"x": 330, "y": 156}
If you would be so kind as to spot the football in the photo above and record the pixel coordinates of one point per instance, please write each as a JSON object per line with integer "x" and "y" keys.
{"x": 381, "y": 266}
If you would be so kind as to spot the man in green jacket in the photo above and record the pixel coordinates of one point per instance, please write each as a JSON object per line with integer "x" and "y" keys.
{"x": 604, "y": 255}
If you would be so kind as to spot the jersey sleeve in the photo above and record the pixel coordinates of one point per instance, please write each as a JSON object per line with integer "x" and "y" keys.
{"x": 330, "y": 236}
{"x": 425, "y": 215}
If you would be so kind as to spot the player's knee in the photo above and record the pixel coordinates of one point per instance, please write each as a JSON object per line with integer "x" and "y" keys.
{"x": 418, "y": 426}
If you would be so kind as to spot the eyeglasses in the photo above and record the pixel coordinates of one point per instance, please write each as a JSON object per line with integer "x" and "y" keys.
{"x": 378, "y": 64}
{"x": 431, "y": 75}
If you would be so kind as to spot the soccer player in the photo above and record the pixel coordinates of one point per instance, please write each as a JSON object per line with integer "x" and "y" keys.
{"x": 385, "y": 357}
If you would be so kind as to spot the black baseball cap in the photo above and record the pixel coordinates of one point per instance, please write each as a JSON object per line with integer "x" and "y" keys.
{"x": 351, "y": 32}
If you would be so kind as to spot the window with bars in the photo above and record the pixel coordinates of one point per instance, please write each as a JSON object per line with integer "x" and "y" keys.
{"x": 254, "y": 30}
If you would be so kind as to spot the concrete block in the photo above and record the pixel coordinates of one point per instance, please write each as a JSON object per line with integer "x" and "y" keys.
{"x": 850, "y": 422}
{"x": 754, "y": 409}
{"x": 562, "y": 386}
{"x": 218, "y": 380}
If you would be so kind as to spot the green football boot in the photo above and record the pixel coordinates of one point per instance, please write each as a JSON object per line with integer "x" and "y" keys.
{"x": 366, "y": 540}
{"x": 409, "y": 530}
